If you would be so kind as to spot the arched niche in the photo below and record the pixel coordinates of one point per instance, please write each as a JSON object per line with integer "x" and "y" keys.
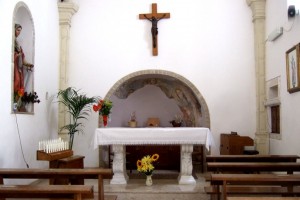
{"x": 26, "y": 40}
{"x": 175, "y": 87}
{"x": 163, "y": 85}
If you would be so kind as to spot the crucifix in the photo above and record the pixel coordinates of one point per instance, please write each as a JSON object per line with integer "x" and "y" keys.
{"x": 154, "y": 17}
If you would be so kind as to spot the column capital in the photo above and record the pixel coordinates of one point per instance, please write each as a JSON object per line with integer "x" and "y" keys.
{"x": 258, "y": 8}
{"x": 66, "y": 11}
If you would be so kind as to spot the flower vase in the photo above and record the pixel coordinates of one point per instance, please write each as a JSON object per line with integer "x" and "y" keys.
{"x": 105, "y": 119}
{"x": 149, "y": 180}
{"x": 22, "y": 108}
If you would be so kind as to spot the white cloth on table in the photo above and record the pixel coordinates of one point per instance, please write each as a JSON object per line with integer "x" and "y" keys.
{"x": 159, "y": 136}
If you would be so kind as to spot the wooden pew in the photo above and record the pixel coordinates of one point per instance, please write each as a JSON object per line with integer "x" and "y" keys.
{"x": 75, "y": 192}
{"x": 88, "y": 173}
{"x": 252, "y": 167}
{"x": 252, "y": 158}
{"x": 254, "y": 184}
{"x": 263, "y": 198}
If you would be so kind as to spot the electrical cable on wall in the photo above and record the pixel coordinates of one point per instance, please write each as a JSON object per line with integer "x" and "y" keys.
{"x": 20, "y": 140}
{"x": 291, "y": 27}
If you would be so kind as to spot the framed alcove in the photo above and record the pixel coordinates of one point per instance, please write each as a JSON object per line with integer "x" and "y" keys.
{"x": 23, "y": 51}
{"x": 273, "y": 108}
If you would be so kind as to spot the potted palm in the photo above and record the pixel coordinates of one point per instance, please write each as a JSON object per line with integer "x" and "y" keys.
{"x": 78, "y": 106}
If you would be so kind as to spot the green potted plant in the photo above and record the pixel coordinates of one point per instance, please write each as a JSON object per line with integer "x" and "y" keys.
{"x": 78, "y": 106}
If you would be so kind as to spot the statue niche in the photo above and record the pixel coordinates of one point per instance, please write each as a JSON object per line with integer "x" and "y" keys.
{"x": 23, "y": 95}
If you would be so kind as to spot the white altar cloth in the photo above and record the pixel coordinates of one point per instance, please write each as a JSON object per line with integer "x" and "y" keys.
{"x": 160, "y": 136}
{"x": 186, "y": 137}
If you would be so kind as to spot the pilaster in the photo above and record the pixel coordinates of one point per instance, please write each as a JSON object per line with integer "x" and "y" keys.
{"x": 258, "y": 16}
{"x": 66, "y": 10}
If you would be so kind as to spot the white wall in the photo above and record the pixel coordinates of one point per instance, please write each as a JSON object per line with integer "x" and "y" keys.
{"x": 210, "y": 43}
{"x": 43, "y": 123}
{"x": 146, "y": 102}
{"x": 276, "y": 67}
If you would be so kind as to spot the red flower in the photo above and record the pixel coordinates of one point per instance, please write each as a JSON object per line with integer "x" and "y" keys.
{"x": 103, "y": 107}
{"x": 96, "y": 108}
{"x": 100, "y": 103}
{"x": 21, "y": 92}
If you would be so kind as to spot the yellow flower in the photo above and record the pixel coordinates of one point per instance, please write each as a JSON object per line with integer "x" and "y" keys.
{"x": 145, "y": 164}
{"x": 155, "y": 157}
{"x": 139, "y": 165}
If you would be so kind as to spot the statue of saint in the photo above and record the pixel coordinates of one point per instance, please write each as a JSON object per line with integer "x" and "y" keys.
{"x": 20, "y": 64}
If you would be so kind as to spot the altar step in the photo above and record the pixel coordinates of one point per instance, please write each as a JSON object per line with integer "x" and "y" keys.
{"x": 165, "y": 187}
{"x": 144, "y": 196}
{"x": 162, "y": 189}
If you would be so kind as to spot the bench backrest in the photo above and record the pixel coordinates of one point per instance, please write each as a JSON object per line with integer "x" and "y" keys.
{"x": 252, "y": 158}
{"x": 46, "y": 191}
{"x": 252, "y": 181}
{"x": 253, "y": 167}
{"x": 92, "y": 173}
{"x": 255, "y": 179}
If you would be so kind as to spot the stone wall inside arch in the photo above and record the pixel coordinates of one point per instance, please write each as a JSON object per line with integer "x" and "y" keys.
{"x": 188, "y": 98}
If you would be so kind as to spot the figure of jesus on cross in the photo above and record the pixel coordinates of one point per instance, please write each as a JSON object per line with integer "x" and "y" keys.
{"x": 154, "y": 17}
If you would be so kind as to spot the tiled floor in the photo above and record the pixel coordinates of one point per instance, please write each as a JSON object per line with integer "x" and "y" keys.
{"x": 165, "y": 187}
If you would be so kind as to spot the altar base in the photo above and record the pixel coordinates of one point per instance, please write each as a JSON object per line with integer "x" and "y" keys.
{"x": 186, "y": 137}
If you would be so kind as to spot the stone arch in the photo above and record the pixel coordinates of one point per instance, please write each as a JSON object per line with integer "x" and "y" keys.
{"x": 164, "y": 76}
{"x": 23, "y": 16}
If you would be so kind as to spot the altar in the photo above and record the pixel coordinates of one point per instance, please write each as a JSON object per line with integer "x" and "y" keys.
{"x": 186, "y": 137}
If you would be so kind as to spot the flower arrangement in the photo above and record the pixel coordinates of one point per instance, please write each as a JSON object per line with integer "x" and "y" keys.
{"x": 133, "y": 117}
{"x": 30, "y": 97}
{"x": 177, "y": 121}
{"x": 145, "y": 164}
{"x": 103, "y": 106}
{"x": 21, "y": 98}
{"x": 18, "y": 95}
{"x": 132, "y": 122}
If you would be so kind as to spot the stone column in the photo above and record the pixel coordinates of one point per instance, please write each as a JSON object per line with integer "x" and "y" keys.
{"x": 119, "y": 165}
{"x": 66, "y": 10}
{"x": 258, "y": 16}
{"x": 186, "y": 165}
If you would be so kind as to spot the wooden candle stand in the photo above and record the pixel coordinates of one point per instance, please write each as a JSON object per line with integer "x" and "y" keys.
{"x": 63, "y": 159}
{"x": 42, "y": 155}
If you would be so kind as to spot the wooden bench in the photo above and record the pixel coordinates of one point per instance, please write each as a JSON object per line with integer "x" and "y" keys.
{"x": 252, "y": 158}
{"x": 253, "y": 190}
{"x": 263, "y": 198}
{"x": 252, "y": 167}
{"x": 253, "y": 184}
{"x": 72, "y": 162}
{"x": 75, "y": 192}
{"x": 89, "y": 173}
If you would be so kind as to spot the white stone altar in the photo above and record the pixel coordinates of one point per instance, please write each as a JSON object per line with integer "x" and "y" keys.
{"x": 184, "y": 136}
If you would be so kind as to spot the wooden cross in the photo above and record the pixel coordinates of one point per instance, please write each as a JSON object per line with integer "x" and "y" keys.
{"x": 154, "y": 17}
